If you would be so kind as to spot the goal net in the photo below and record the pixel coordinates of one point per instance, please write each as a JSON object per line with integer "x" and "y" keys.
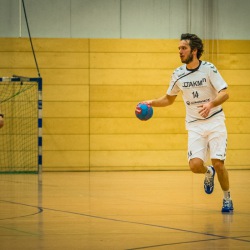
{"x": 20, "y": 137}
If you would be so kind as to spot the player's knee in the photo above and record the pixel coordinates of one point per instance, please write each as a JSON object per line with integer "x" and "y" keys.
{"x": 196, "y": 165}
{"x": 218, "y": 166}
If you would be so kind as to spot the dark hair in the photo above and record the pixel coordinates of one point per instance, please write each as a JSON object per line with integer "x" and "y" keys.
{"x": 195, "y": 43}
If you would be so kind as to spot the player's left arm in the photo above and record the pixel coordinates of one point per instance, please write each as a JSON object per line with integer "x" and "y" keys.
{"x": 220, "y": 98}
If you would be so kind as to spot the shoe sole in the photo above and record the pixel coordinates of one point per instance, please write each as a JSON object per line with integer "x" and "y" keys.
{"x": 227, "y": 211}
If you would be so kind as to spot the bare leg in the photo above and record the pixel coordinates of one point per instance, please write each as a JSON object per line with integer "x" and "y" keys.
{"x": 197, "y": 166}
{"x": 221, "y": 173}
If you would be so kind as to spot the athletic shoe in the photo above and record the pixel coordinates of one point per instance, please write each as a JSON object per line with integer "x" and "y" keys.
{"x": 227, "y": 206}
{"x": 209, "y": 182}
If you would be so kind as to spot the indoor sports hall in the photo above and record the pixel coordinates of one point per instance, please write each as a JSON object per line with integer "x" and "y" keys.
{"x": 78, "y": 170}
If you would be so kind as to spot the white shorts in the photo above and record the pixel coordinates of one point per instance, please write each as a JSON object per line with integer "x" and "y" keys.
{"x": 205, "y": 137}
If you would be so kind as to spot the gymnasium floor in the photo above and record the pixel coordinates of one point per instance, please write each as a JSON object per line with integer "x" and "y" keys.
{"x": 121, "y": 210}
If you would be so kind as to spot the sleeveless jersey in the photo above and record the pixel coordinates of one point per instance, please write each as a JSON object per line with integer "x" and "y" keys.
{"x": 198, "y": 86}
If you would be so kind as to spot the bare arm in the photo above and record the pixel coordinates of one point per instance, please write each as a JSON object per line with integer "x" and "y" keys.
{"x": 220, "y": 98}
{"x": 163, "y": 101}
{"x": 1, "y": 120}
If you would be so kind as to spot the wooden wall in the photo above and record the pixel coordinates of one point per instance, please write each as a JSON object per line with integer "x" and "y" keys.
{"x": 91, "y": 88}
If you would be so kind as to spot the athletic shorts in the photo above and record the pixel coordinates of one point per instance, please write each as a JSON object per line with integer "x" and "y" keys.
{"x": 207, "y": 139}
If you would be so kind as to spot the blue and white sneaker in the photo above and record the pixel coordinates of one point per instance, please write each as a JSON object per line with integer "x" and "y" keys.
{"x": 209, "y": 182}
{"x": 227, "y": 206}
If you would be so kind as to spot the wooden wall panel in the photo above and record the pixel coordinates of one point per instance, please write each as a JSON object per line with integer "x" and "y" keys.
{"x": 236, "y": 109}
{"x": 65, "y": 76}
{"x": 238, "y": 125}
{"x": 67, "y": 109}
{"x": 44, "y": 45}
{"x": 66, "y": 93}
{"x": 157, "y": 126}
{"x": 126, "y": 110}
{"x": 236, "y": 77}
{"x": 66, "y": 126}
{"x": 138, "y": 93}
{"x": 239, "y": 93}
{"x": 66, "y": 142}
{"x": 165, "y": 45}
{"x": 64, "y": 67}
{"x": 156, "y": 160}
{"x": 145, "y": 142}
{"x": 135, "y": 126}
{"x": 125, "y": 93}
{"x": 146, "y": 160}
{"x": 233, "y": 61}
{"x": 53, "y": 76}
{"x": 229, "y": 46}
{"x": 130, "y": 76}
{"x": 155, "y": 77}
{"x": 45, "y": 60}
{"x": 160, "y": 61}
{"x": 125, "y": 72}
{"x": 133, "y": 45}
{"x": 133, "y": 60}
{"x": 142, "y": 142}
{"x": 91, "y": 87}
{"x": 65, "y": 160}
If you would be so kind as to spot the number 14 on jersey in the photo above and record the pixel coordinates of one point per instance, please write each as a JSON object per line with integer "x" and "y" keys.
{"x": 195, "y": 94}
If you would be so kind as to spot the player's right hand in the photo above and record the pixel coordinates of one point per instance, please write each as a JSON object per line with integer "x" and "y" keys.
{"x": 149, "y": 102}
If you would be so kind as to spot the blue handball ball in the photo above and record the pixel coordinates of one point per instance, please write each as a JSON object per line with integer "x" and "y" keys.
{"x": 143, "y": 111}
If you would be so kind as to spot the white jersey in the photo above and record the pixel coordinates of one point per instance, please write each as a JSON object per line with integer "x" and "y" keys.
{"x": 198, "y": 86}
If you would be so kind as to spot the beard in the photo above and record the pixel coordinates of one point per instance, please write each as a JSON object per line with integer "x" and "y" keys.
{"x": 188, "y": 60}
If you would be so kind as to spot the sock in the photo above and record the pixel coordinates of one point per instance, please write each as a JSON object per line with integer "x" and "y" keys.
{"x": 227, "y": 195}
{"x": 209, "y": 171}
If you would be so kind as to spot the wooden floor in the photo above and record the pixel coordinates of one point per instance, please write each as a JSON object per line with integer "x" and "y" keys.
{"x": 121, "y": 210}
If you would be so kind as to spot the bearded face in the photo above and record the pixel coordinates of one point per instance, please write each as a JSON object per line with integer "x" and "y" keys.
{"x": 185, "y": 52}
